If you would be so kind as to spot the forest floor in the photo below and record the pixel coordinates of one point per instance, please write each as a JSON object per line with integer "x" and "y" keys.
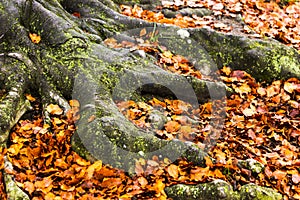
{"x": 262, "y": 120}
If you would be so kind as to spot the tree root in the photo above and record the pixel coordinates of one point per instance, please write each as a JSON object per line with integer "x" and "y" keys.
{"x": 219, "y": 189}
{"x": 66, "y": 50}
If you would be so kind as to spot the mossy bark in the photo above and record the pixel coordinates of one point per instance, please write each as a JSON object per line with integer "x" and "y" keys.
{"x": 71, "y": 61}
{"x": 219, "y": 189}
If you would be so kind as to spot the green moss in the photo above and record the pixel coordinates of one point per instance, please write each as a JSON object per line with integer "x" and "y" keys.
{"x": 127, "y": 1}
{"x": 254, "y": 192}
{"x": 219, "y": 189}
{"x": 140, "y": 144}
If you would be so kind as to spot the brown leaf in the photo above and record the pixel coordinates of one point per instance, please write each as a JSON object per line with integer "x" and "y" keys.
{"x": 143, "y": 32}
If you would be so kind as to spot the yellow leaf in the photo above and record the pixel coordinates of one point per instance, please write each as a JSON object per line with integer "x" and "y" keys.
{"x": 50, "y": 196}
{"x": 35, "y": 38}
{"x": 74, "y": 103}
{"x": 167, "y": 54}
{"x": 289, "y": 87}
{"x": 173, "y": 170}
{"x": 244, "y": 88}
{"x": 95, "y": 166}
{"x": 54, "y": 109}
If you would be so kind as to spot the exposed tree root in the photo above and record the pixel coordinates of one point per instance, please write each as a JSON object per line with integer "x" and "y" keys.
{"x": 71, "y": 61}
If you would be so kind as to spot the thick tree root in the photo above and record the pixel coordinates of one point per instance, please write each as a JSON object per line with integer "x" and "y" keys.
{"x": 117, "y": 141}
{"x": 219, "y": 189}
{"x": 78, "y": 65}
{"x": 13, "y": 103}
{"x": 12, "y": 108}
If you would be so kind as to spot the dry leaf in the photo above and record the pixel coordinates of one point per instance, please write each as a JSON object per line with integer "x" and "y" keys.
{"x": 35, "y": 38}
{"x": 54, "y": 109}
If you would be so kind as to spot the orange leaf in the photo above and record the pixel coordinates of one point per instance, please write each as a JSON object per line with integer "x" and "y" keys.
{"x": 91, "y": 118}
{"x": 199, "y": 173}
{"x": 279, "y": 174}
{"x": 142, "y": 181}
{"x": 29, "y": 186}
{"x": 50, "y": 196}
{"x": 74, "y": 103}
{"x": 172, "y": 126}
{"x": 208, "y": 161}
{"x": 110, "y": 182}
{"x": 29, "y": 97}
{"x": 35, "y": 38}
{"x": 46, "y": 182}
{"x": 80, "y": 161}
{"x": 95, "y": 166}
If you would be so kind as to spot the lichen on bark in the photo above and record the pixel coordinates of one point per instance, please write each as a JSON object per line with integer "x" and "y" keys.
{"x": 71, "y": 61}
{"x": 219, "y": 189}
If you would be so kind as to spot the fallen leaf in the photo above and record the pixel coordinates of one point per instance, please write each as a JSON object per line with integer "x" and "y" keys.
{"x": 173, "y": 170}
{"x": 172, "y": 126}
{"x": 54, "y": 109}
{"x": 30, "y": 98}
{"x": 35, "y": 38}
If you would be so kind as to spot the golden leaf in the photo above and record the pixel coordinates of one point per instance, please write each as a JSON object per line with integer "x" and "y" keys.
{"x": 29, "y": 97}
{"x": 74, "y": 103}
{"x": 54, "y": 109}
{"x": 95, "y": 166}
{"x": 173, "y": 170}
{"x": 35, "y": 38}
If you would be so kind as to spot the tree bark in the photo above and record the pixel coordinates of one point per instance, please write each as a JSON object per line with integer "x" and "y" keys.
{"x": 71, "y": 61}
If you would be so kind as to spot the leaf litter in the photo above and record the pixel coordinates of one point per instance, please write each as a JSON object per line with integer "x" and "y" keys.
{"x": 262, "y": 123}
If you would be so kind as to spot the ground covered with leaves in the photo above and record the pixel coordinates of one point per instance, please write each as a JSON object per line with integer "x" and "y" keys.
{"x": 276, "y": 19}
{"x": 262, "y": 124}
